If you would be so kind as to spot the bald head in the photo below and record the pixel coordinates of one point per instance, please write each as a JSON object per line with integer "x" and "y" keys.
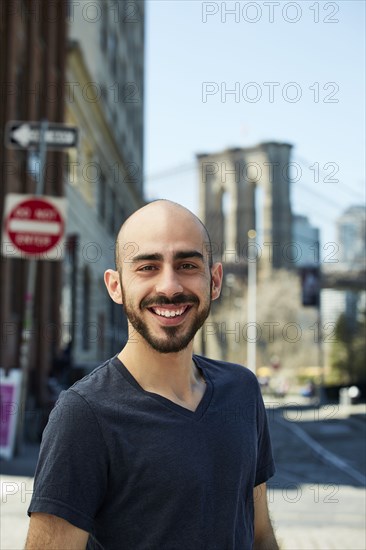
{"x": 157, "y": 218}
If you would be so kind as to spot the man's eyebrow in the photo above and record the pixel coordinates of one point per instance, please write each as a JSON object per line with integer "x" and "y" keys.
{"x": 146, "y": 258}
{"x": 185, "y": 254}
{"x": 156, "y": 257}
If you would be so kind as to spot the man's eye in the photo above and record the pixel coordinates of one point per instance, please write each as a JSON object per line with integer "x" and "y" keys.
{"x": 147, "y": 268}
{"x": 188, "y": 266}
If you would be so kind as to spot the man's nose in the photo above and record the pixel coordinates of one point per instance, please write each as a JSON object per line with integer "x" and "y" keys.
{"x": 168, "y": 282}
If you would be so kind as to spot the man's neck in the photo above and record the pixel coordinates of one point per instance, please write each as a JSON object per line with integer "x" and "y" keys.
{"x": 172, "y": 375}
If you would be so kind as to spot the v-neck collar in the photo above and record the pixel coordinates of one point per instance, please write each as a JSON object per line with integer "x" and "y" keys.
{"x": 202, "y": 405}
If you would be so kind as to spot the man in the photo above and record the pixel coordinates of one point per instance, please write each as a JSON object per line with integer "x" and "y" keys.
{"x": 157, "y": 449}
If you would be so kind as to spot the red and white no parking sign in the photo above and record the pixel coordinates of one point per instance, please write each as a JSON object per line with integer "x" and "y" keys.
{"x": 34, "y": 227}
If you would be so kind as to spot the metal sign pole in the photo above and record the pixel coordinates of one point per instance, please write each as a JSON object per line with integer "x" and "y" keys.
{"x": 25, "y": 346}
{"x": 322, "y": 399}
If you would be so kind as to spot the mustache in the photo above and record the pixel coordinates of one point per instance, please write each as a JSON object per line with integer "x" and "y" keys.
{"x": 164, "y": 301}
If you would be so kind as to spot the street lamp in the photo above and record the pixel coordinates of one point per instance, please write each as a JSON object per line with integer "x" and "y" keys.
{"x": 252, "y": 299}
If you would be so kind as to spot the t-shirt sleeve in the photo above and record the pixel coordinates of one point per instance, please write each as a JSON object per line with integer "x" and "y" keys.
{"x": 72, "y": 472}
{"x": 265, "y": 462}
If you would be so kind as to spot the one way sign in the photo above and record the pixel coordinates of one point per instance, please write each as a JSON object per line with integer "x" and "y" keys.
{"x": 27, "y": 135}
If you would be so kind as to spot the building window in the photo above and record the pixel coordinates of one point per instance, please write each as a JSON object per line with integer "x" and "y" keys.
{"x": 120, "y": 218}
{"x": 19, "y": 91}
{"x": 112, "y": 212}
{"x": 104, "y": 30}
{"x": 101, "y": 334}
{"x": 102, "y": 196}
{"x": 112, "y": 52}
{"x": 103, "y": 92}
{"x": 86, "y": 309}
{"x": 72, "y": 168}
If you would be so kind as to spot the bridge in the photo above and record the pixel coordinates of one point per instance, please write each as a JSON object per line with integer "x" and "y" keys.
{"x": 339, "y": 278}
{"x": 343, "y": 279}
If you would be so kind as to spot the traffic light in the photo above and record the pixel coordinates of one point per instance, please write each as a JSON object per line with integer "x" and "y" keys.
{"x": 310, "y": 286}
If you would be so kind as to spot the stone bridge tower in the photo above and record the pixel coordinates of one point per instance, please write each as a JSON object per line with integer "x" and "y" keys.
{"x": 230, "y": 183}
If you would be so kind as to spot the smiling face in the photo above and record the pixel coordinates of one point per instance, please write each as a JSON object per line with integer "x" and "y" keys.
{"x": 165, "y": 305}
{"x": 166, "y": 283}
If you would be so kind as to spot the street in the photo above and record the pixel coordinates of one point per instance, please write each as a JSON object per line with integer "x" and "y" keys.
{"x": 317, "y": 497}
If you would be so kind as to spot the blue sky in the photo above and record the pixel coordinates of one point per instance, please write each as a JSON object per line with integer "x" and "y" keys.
{"x": 313, "y": 51}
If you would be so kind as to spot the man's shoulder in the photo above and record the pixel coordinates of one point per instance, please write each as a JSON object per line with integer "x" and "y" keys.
{"x": 226, "y": 369}
{"x": 98, "y": 373}
{"x": 96, "y": 384}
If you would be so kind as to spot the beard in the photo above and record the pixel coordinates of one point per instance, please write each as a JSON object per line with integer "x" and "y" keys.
{"x": 176, "y": 338}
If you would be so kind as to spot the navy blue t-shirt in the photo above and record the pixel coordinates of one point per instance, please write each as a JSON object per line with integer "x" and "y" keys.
{"x": 139, "y": 472}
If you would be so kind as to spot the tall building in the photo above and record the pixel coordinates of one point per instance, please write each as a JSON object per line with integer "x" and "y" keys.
{"x": 351, "y": 245}
{"x": 306, "y": 241}
{"x": 351, "y": 234}
{"x": 32, "y": 66}
{"x": 104, "y": 99}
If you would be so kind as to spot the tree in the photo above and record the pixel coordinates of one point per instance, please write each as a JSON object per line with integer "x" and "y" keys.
{"x": 349, "y": 350}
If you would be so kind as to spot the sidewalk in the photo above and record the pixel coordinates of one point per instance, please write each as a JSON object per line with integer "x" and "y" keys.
{"x": 15, "y": 496}
{"x": 317, "y": 499}
{"x": 319, "y": 517}
{"x": 16, "y": 486}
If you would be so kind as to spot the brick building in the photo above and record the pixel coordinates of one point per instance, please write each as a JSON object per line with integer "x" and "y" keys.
{"x": 32, "y": 69}
{"x": 104, "y": 184}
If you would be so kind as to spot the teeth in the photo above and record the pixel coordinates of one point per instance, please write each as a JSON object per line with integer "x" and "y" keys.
{"x": 169, "y": 312}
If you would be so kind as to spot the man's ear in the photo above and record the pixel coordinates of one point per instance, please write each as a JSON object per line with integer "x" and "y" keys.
{"x": 112, "y": 282}
{"x": 216, "y": 274}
